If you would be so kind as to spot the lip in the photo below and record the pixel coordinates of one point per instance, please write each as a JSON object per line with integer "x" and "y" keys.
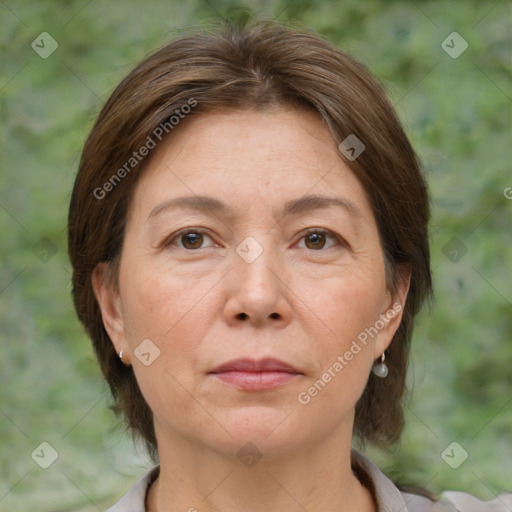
{"x": 251, "y": 374}
{"x": 268, "y": 364}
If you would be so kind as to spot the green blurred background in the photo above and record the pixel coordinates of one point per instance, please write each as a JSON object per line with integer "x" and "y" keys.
{"x": 457, "y": 114}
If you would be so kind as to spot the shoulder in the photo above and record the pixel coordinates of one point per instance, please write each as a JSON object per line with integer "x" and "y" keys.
{"x": 390, "y": 499}
{"x": 134, "y": 499}
{"x": 456, "y": 501}
{"x": 465, "y": 502}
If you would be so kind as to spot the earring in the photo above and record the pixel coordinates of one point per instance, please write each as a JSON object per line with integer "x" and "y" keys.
{"x": 121, "y": 357}
{"x": 381, "y": 369}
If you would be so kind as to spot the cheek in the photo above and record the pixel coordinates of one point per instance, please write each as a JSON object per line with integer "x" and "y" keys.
{"x": 174, "y": 315}
{"x": 346, "y": 304}
{"x": 176, "y": 311}
{"x": 160, "y": 301}
{"x": 347, "y": 307}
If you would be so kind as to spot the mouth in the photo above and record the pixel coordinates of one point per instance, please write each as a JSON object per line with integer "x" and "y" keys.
{"x": 250, "y": 374}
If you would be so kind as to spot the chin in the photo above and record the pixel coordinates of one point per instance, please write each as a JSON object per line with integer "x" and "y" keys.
{"x": 260, "y": 428}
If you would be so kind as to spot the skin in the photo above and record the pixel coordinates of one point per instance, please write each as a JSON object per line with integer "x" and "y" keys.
{"x": 305, "y": 300}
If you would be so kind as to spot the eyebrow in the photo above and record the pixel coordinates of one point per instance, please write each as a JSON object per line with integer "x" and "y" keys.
{"x": 299, "y": 206}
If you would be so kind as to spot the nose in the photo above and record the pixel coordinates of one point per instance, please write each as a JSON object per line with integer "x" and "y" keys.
{"x": 258, "y": 292}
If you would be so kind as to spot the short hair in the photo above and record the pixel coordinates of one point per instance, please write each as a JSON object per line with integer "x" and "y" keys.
{"x": 261, "y": 66}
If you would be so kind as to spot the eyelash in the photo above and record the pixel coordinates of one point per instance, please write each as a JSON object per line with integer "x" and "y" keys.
{"x": 326, "y": 232}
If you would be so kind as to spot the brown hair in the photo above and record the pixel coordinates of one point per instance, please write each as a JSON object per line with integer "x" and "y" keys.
{"x": 263, "y": 65}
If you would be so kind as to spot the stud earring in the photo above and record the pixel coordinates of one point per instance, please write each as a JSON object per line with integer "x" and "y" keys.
{"x": 380, "y": 369}
{"x": 121, "y": 357}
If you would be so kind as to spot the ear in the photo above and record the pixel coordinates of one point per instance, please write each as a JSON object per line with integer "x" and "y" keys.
{"x": 392, "y": 313}
{"x": 111, "y": 312}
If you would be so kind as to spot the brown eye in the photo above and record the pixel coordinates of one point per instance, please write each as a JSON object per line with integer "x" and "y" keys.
{"x": 192, "y": 240}
{"x": 315, "y": 240}
{"x": 318, "y": 239}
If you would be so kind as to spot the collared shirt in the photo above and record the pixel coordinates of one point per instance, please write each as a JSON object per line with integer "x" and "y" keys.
{"x": 387, "y": 496}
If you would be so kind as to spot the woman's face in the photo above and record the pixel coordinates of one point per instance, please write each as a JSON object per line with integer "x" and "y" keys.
{"x": 282, "y": 261}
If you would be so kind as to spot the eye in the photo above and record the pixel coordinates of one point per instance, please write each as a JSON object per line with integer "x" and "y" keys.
{"x": 316, "y": 239}
{"x": 191, "y": 239}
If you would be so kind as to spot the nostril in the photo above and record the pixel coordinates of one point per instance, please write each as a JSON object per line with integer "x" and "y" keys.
{"x": 242, "y": 316}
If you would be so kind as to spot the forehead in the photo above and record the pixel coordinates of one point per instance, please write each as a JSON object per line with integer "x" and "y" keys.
{"x": 240, "y": 156}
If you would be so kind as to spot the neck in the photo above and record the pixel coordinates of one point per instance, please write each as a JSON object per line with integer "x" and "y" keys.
{"x": 316, "y": 479}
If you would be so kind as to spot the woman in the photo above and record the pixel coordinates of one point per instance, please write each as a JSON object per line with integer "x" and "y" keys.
{"x": 248, "y": 235}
